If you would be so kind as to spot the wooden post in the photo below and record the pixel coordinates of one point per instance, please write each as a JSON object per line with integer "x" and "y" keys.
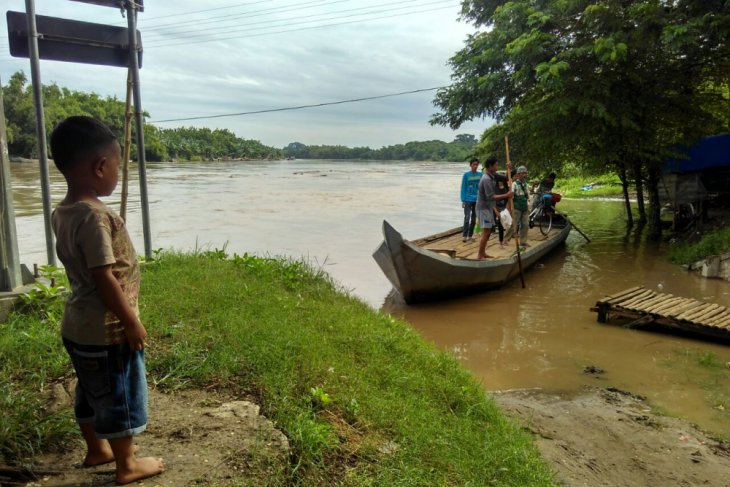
{"x": 127, "y": 146}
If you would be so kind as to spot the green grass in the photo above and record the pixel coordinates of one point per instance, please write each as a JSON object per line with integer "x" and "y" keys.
{"x": 31, "y": 360}
{"x": 712, "y": 243}
{"x": 605, "y": 186}
{"x": 363, "y": 399}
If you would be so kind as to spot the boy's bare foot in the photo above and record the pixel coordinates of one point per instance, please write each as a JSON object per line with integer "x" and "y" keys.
{"x": 140, "y": 468}
{"x": 101, "y": 457}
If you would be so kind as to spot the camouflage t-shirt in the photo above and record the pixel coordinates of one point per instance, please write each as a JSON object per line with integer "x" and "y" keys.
{"x": 88, "y": 235}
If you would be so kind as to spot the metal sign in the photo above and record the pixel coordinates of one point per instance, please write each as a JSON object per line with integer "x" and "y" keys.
{"x": 72, "y": 40}
{"x": 138, "y": 4}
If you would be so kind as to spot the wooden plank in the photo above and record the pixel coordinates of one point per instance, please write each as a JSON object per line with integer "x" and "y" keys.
{"x": 682, "y": 307}
{"x": 718, "y": 320}
{"x": 689, "y": 307}
{"x": 677, "y": 302}
{"x": 668, "y": 304}
{"x": 637, "y": 298}
{"x": 644, "y": 293}
{"x": 693, "y": 311}
{"x": 707, "y": 318}
{"x": 707, "y": 313}
{"x": 648, "y": 301}
{"x": 700, "y": 311}
{"x": 659, "y": 302}
{"x": 621, "y": 294}
{"x": 725, "y": 321}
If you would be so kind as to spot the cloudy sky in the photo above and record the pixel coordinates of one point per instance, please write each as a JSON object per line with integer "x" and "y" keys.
{"x": 223, "y": 56}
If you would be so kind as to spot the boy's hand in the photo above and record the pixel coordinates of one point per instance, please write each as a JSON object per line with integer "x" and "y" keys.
{"x": 114, "y": 299}
{"x": 136, "y": 335}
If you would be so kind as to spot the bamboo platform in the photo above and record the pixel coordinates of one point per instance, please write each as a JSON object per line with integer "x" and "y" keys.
{"x": 644, "y": 307}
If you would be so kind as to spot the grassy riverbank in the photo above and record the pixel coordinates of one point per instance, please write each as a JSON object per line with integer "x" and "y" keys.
{"x": 714, "y": 242}
{"x": 361, "y": 397}
{"x": 604, "y": 186}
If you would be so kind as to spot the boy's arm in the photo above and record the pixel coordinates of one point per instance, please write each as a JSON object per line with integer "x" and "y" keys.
{"x": 463, "y": 189}
{"x": 113, "y": 298}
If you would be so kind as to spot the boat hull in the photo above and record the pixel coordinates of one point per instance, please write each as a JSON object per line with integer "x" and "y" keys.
{"x": 422, "y": 275}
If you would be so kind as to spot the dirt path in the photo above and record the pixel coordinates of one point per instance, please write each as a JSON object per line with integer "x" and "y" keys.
{"x": 606, "y": 437}
{"x": 203, "y": 440}
{"x": 600, "y": 437}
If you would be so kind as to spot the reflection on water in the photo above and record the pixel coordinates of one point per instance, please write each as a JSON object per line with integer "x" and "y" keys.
{"x": 331, "y": 213}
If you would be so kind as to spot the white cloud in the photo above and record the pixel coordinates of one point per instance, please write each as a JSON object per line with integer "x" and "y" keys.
{"x": 252, "y": 68}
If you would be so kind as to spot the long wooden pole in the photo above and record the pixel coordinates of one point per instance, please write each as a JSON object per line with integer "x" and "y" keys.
{"x": 573, "y": 225}
{"x": 127, "y": 146}
{"x": 516, "y": 233}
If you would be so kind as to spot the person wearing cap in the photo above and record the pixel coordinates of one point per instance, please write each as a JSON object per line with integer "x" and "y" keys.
{"x": 521, "y": 212}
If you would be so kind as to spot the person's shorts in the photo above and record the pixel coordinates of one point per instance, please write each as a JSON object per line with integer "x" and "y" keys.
{"x": 112, "y": 388}
{"x": 486, "y": 218}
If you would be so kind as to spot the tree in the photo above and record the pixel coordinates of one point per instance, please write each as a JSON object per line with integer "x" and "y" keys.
{"x": 620, "y": 83}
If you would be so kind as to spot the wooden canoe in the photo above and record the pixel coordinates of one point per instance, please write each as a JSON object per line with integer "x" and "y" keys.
{"x": 442, "y": 265}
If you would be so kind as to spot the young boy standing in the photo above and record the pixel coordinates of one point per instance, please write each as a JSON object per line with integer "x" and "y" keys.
{"x": 101, "y": 329}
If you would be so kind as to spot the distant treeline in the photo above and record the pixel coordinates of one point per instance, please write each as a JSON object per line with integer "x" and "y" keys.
{"x": 431, "y": 150}
{"x": 187, "y": 143}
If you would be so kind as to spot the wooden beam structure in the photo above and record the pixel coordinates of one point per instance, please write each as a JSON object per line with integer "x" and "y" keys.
{"x": 641, "y": 307}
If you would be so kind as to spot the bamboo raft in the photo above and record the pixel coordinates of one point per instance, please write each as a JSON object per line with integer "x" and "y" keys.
{"x": 644, "y": 307}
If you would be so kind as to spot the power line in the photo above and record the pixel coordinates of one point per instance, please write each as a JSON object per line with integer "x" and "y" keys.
{"x": 265, "y": 11}
{"x": 145, "y": 20}
{"x": 302, "y": 28}
{"x": 322, "y": 17}
{"x": 353, "y": 100}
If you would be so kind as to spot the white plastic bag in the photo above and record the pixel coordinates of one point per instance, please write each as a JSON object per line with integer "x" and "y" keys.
{"x": 506, "y": 218}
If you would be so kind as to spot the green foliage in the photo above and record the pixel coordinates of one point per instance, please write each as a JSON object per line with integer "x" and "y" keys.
{"x": 712, "y": 243}
{"x": 47, "y": 300}
{"x": 160, "y": 144}
{"x": 608, "y": 84}
{"x": 460, "y": 149}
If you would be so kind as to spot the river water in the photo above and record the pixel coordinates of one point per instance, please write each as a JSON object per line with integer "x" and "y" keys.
{"x": 330, "y": 213}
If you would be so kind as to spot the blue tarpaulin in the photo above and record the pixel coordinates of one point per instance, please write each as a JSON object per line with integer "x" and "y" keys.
{"x": 708, "y": 153}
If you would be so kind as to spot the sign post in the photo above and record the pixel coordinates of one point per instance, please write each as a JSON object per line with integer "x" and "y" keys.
{"x": 139, "y": 121}
{"x": 39, "y": 37}
{"x": 40, "y": 125}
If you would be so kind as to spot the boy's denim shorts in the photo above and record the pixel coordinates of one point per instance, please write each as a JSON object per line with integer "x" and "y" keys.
{"x": 112, "y": 388}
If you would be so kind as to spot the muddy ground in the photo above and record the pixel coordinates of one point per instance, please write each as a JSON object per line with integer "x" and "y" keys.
{"x": 599, "y": 437}
{"x": 607, "y": 437}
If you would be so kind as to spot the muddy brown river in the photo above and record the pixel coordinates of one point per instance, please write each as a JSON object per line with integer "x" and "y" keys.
{"x": 330, "y": 213}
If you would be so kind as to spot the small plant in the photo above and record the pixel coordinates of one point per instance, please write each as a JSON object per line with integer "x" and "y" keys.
{"x": 320, "y": 399}
{"x": 352, "y": 410}
{"x": 47, "y": 299}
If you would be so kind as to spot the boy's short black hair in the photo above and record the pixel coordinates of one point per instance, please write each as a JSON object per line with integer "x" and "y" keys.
{"x": 474, "y": 159}
{"x": 490, "y": 161}
{"x": 76, "y": 137}
{"x": 552, "y": 175}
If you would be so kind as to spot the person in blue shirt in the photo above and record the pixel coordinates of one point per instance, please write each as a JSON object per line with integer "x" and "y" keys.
{"x": 469, "y": 189}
